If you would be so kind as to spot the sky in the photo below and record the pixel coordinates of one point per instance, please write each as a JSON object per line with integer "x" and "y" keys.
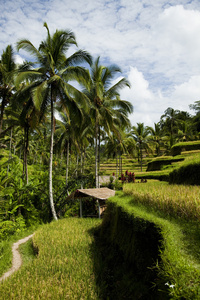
{"x": 156, "y": 44}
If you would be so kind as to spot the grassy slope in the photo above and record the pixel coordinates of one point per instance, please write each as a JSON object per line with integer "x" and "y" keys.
{"x": 63, "y": 268}
{"x": 5, "y": 249}
{"x": 180, "y": 255}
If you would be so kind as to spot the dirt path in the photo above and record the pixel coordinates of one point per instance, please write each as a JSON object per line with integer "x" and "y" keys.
{"x": 16, "y": 261}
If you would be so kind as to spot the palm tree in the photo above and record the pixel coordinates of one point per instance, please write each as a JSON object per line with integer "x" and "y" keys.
{"x": 196, "y": 118}
{"x": 140, "y": 134}
{"x": 22, "y": 115}
{"x": 119, "y": 144}
{"x": 67, "y": 132}
{"x": 156, "y": 136}
{"x": 169, "y": 123}
{"x": 195, "y": 106}
{"x": 7, "y": 71}
{"x": 51, "y": 80}
{"x": 107, "y": 109}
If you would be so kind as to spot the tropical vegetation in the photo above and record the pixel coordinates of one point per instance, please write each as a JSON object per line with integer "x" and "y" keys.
{"x": 63, "y": 125}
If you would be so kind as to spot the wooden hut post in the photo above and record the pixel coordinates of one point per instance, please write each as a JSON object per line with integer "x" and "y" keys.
{"x": 99, "y": 209}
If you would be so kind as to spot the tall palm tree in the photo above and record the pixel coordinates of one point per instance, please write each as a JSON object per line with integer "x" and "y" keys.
{"x": 169, "y": 122}
{"x": 51, "y": 76}
{"x": 7, "y": 72}
{"x": 67, "y": 132}
{"x": 195, "y": 106}
{"x": 156, "y": 136}
{"x": 140, "y": 134}
{"x": 196, "y": 118}
{"x": 119, "y": 144}
{"x": 107, "y": 109}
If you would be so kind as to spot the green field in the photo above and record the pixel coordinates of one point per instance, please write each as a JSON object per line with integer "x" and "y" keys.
{"x": 62, "y": 267}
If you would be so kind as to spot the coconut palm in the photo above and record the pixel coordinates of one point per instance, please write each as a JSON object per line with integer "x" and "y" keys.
{"x": 67, "y": 132}
{"x": 195, "y": 106}
{"x": 196, "y": 119}
{"x": 51, "y": 80}
{"x": 119, "y": 144}
{"x": 156, "y": 136}
{"x": 140, "y": 134}
{"x": 24, "y": 116}
{"x": 169, "y": 122}
{"x": 107, "y": 109}
{"x": 7, "y": 71}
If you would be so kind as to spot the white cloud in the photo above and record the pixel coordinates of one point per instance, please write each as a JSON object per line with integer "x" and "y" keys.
{"x": 187, "y": 93}
{"x": 148, "y": 106}
{"x": 156, "y": 43}
{"x": 174, "y": 46}
{"x": 18, "y": 59}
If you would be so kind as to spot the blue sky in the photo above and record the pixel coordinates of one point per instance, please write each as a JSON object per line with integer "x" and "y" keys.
{"x": 156, "y": 43}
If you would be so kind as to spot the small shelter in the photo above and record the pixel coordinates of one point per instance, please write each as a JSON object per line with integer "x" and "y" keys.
{"x": 98, "y": 194}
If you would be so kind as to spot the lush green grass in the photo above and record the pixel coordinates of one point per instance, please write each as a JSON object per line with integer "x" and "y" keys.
{"x": 63, "y": 268}
{"x": 188, "y": 171}
{"x": 175, "y": 200}
{"x": 185, "y": 146}
{"x": 180, "y": 258}
{"x": 5, "y": 248}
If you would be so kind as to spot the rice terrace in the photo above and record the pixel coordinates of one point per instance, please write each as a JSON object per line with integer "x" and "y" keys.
{"x": 92, "y": 207}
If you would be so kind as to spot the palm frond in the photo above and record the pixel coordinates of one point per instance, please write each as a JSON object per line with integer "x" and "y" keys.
{"x": 114, "y": 90}
{"x": 29, "y": 47}
{"x": 77, "y": 73}
{"x": 78, "y": 57}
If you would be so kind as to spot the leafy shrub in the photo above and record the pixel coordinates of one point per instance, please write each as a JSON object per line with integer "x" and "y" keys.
{"x": 118, "y": 185}
{"x": 8, "y": 227}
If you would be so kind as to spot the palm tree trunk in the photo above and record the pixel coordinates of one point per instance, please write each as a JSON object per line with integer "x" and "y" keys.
{"x": 10, "y": 152}
{"x": 51, "y": 163}
{"x": 77, "y": 162}
{"x": 99, "y": 142}
{"x": 141, "y": 157}
{"x": 81, "y": 171}
{"x": 67, "y": 167}
{"x": 3, "y": 103}
{"x": 116, "y": 166}
{"x": 121, "y": 165}
{"x": 25, "y": 165}
{"x": 84, "y": 156}
{"x": 96, "y": 155}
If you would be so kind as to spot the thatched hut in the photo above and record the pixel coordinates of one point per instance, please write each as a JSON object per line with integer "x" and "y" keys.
{"x": 100, "y": 195}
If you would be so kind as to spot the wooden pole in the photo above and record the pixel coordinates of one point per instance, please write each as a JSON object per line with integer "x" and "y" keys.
{"x": 99, "y": 209}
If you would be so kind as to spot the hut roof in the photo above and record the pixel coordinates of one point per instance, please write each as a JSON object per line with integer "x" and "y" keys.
{"x": 100, "y": 193}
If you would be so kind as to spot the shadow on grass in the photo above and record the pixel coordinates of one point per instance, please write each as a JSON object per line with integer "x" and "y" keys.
{"x": 190, "y": 229}
{"x": 117, "y": 277}
{"x": 191, "y": 238}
